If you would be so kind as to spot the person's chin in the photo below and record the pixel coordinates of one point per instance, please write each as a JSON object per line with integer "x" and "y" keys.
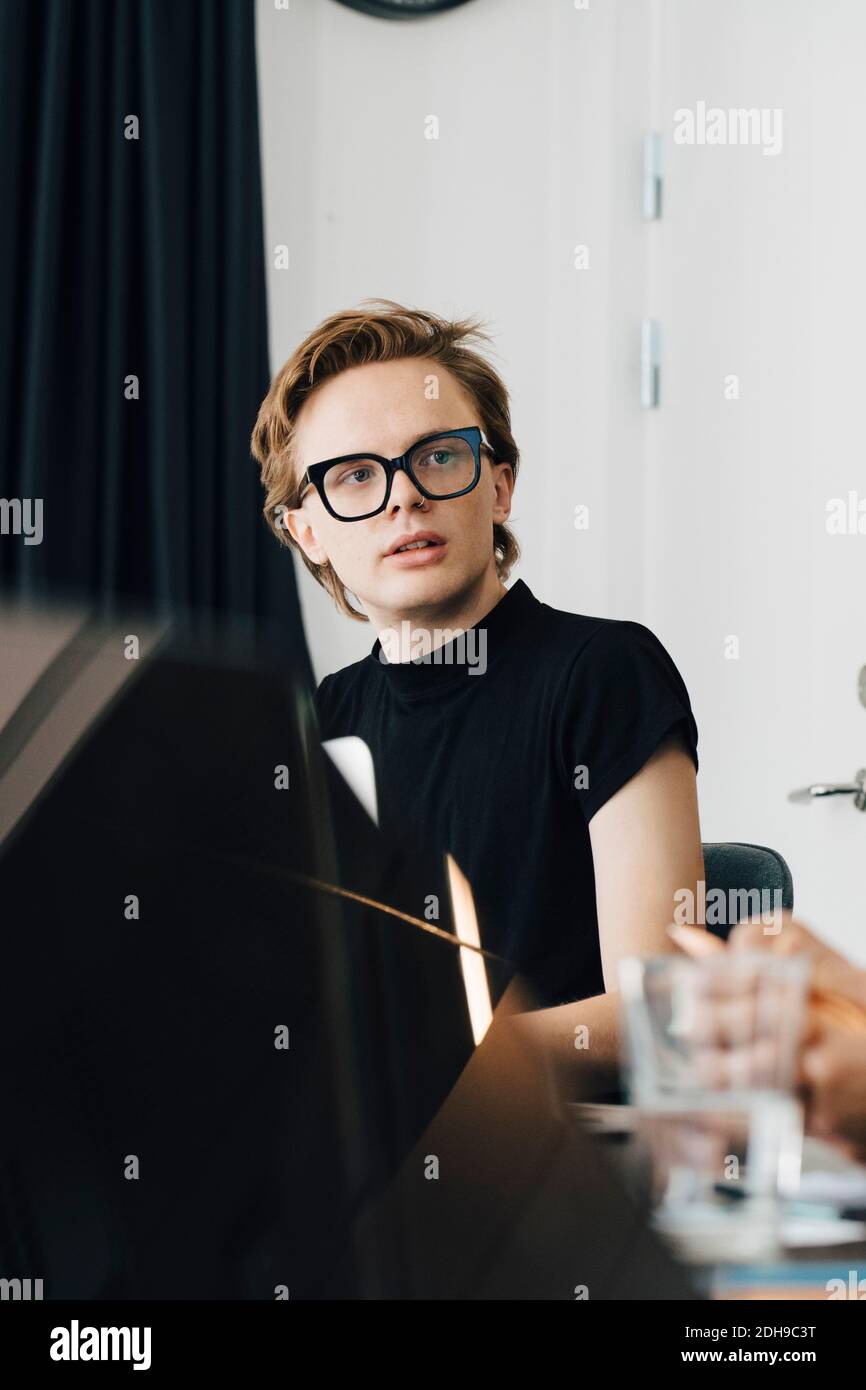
{"x": 424, "y": 583}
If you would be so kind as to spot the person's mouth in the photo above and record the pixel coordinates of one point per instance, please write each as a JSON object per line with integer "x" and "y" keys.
{"x": 417, "y": 548}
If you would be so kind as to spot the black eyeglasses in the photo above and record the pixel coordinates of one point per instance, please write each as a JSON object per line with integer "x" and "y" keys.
{"x": 356, "y": 486}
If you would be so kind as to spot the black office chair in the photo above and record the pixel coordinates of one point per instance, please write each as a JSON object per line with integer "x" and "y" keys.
{"x": 742, "y": 869}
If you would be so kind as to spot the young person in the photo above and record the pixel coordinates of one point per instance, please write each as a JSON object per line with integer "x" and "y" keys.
{"x": 553, "y": 755}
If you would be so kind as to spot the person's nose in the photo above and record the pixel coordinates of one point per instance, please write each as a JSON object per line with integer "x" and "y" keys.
{"x": 404, "y": 492}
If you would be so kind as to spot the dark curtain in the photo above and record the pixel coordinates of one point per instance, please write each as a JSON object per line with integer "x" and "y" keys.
{"x": 134, "y": 257}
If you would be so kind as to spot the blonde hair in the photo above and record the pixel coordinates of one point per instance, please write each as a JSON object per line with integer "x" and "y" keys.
{"x": 383, "y": 333}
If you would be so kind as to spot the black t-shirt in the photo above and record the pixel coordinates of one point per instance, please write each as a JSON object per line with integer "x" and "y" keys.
{"x": 501, "y": 750}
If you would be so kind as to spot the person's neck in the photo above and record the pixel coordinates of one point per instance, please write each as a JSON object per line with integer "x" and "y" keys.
{"x": 406, "y": 636}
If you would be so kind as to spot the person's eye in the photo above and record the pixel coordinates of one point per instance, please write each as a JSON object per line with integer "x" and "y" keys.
{"x": 355, "y": 475}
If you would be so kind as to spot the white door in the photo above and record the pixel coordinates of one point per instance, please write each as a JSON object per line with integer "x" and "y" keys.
{"x": 759, "y": 281}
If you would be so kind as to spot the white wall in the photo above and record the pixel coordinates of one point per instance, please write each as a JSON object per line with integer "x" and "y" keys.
{"x": 541, "y": 111}
{"x": 707, "y": 516}
{"x": 759, "y": 271}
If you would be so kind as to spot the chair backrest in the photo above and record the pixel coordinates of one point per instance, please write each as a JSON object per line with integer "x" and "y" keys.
{"x": 742, "y": 869}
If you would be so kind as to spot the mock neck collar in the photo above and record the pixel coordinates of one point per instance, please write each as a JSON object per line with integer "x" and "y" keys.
{"x": 466, "y": 657}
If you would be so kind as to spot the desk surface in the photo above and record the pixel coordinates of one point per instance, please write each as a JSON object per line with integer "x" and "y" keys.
{"x": 811, "y": 1270}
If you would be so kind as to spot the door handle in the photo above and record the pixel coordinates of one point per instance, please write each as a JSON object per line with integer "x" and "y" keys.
{"x": 857, "y": 789}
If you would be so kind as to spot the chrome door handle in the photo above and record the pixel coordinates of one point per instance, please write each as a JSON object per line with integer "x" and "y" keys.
{"x": 857, "y": 789}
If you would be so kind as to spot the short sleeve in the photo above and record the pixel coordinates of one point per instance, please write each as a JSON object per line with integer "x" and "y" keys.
{"x": 623, "y": 695}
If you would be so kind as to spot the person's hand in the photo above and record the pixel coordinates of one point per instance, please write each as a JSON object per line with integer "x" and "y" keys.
{"x": 743, "y": 1029}
{"x": 833, "y": 1068}
{"x": 830, "y": 971}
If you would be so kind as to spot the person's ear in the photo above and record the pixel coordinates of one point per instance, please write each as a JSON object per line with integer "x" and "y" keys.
{"x": 503, "y": 484}
{"x": 301, "y": 527}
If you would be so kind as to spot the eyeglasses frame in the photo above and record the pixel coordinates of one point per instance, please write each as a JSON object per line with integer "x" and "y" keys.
{"x": 472, "y": 434}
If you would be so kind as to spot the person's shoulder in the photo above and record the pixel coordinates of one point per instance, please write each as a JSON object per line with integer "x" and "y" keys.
{"x": 614, "y": 658}
{"x": 617, "y": 698}
{"x": 585, "y": 638}
{"x": 341, "y": 682}
{"x": 611, "y": 637}
{"x": 337, "y": 692}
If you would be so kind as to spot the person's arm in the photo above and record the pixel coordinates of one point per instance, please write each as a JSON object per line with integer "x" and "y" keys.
{"x": 646, "y": 845}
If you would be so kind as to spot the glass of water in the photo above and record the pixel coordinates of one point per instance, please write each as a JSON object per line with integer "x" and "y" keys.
{"x": 711, "y": 1056}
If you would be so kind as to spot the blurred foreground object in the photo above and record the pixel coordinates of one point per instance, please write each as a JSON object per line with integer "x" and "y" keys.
{"x": 237, "y": 1063}
{"x": 712, "y": 1056}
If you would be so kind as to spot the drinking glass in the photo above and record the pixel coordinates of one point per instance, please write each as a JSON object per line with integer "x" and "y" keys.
{"x": 711, "y": 1055}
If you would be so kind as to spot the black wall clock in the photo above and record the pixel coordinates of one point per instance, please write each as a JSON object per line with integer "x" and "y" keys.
{"x": 401, "y": 9}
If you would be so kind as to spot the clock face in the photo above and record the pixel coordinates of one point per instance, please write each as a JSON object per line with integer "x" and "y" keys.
{"x": 401, "y": 9}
